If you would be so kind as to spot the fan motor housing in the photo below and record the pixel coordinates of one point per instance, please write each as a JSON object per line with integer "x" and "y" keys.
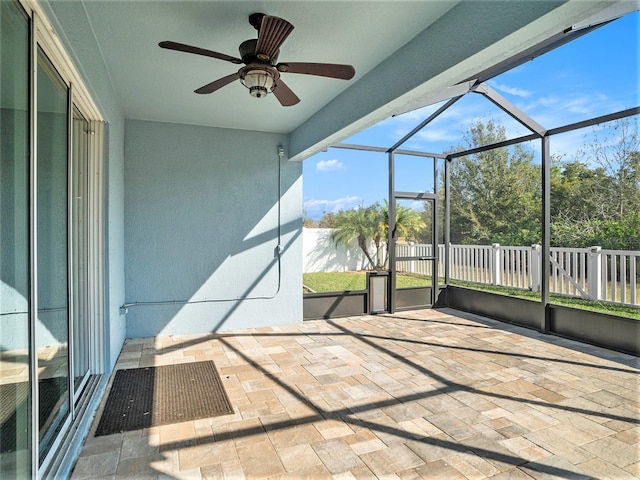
{"x": 248, "y": 53}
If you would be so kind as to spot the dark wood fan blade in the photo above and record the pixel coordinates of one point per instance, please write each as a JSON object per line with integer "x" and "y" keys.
{"x": 181, "y": 47}
{"x": 273, "y": 32}
{"x": 284, "y": 94}
{"x": 221, "y": 82}
{"x": 332, "y": 70}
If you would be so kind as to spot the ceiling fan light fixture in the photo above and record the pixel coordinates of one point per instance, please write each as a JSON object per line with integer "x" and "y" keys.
{"x": 258, "y": 79}
{"x": 261, "y": 73}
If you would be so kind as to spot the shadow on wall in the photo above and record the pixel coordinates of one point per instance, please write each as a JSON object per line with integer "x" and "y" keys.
{"x": 205, "y": 210}
{"x": 321, "y": 254}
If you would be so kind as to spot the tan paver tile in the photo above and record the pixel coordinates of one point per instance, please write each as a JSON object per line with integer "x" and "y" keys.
{"x": 532, "y": 420}
{"x": 439, "y": 469}
{"x": 260, "y": 460}
{"x": 333, "y": 429}
{"x": 550, "y": 440}
{"x": 207, "y": 454}
{"x": 427, "y": 391}
{"x": 554, "y": 467}
{"x": 177, "y": 433}
{"x": 406, "y": 411}
{"x": 138, "y": 467}
{"x": 432, "y": 448}
{"x": 246, "y": 431}
{"x": 512, "y": 474}
{"x": 363, "y": 473}
{"x": 548, "y": 395}
{"x": 634, "y": 469}
{"x": 133, "y": 447}
{"x": 167, "y": 463}
{"x": 299, "y": 458}
{"x": 337, "y": 456}
{"x": 598, "y": 468}
{"x": 631, "y": 436}
{"x": 525, "y": 449}
{"x": 102, "y": 463}
{"x": 212, "y": 472}
{"x": 452, "y": 426}
{"x": 368, "y": 446}
{"x": 471, "y": 466}
{"x": 392, "y": 459}
{"x": 96, "y": 445}
{"x": 294, "y": 436}
{"x": 614, "y": 451}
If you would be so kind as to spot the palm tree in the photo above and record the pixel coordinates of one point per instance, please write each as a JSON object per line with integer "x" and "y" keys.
{"x": 371, "y": 225}
{"x": 408, "y": 224}
{"x": 358, "y": 224}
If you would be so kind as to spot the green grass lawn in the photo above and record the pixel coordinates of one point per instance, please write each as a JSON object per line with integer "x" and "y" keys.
{"x": 353, "y": 281}
{"x": 334, "y": 281}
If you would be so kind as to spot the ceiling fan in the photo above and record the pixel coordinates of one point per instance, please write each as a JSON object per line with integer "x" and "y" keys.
{"x": 261, "y": 72}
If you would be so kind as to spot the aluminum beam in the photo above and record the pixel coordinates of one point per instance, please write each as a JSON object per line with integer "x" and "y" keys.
{"x": 510, "y": 109}
{"x": 595, "y": 121}
{"x": 448, "y": 93}
{"x": 366, "y": 148}
{"x": 484, "y": 148}
{"x": 424, "y": 123}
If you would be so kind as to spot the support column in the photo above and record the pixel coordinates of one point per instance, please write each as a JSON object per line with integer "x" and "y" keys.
{"x": 392, "y": 235}
{"x": 546, "y": 232}
{"x": 447, "y": 221}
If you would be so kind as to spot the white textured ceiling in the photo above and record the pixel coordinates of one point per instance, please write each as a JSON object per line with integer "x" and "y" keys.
{"x": 156, "y": 84}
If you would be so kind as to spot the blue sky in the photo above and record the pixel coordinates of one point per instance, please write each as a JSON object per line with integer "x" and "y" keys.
{"x": 594, "y": 75}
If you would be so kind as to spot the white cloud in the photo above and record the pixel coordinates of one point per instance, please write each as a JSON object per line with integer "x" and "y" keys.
{"x": 518, "y": 92}
{"x": 329, "y": 165}
{"x": 321, "y": 206}
{"x": 439, "y": 135}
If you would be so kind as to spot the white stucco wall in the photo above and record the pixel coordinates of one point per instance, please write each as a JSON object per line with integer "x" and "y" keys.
{"x": 201, "y": 227}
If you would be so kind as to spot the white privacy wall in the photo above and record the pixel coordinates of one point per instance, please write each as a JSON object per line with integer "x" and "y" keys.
{"x": 321, "y": 254}
{"x": 202, "y": 230}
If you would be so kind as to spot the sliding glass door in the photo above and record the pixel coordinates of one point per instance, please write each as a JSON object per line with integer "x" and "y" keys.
{"x": 52, "y": 326}
{"x": 51, "y": 214}
{"x": 15, "y": 398}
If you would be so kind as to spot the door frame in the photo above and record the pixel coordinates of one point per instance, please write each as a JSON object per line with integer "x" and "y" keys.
{"x": 432, "y": 198}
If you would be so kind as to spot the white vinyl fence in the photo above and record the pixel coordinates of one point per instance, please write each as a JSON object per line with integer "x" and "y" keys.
{"x": 593, "y": 273}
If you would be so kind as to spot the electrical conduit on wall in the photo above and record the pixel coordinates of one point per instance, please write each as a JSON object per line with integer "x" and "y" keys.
{"x": 277, "y": 254}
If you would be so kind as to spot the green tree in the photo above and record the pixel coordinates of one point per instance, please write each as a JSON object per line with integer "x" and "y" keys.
{"x": 328, "y": 220}
{"x": 596, "y": 195}
{"x": 496, "y": 193}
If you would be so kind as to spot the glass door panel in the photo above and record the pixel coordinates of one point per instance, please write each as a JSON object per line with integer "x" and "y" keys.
{"x": 80, "y": 247}
{"x": 415, "y": 254}
{"x": 15, "y": 398}
{"x": 52, "y": 324}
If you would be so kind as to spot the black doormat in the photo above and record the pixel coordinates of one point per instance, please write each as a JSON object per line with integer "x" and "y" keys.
{"x": 147, "y": 397}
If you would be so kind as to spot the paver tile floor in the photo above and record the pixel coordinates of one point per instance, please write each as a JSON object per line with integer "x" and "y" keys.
{"x": 422, "y": 394}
